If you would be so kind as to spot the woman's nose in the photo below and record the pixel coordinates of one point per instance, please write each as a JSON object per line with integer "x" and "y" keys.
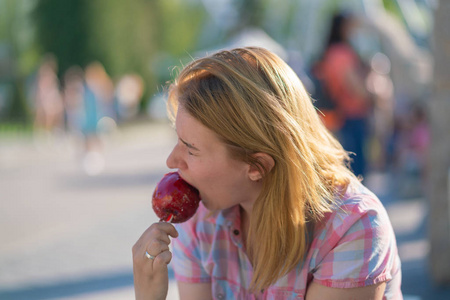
{"x": 174, "y": 160}
{"x": 170, "y": 162}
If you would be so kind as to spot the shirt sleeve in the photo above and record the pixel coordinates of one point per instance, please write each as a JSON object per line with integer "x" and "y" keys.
{"x": 358, "y": 246}
{"x": 188, "y": 254}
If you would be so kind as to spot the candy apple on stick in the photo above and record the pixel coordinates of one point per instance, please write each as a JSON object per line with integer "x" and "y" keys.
{"x": 174, "y": 200}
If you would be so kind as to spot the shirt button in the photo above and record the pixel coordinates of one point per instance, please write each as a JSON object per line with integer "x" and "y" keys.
{"x": 220, "y": 296}
{"x": 236, "y": 232}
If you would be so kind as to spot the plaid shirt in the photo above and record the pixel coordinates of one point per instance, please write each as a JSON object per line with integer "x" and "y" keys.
{"x": 354, "y": 246}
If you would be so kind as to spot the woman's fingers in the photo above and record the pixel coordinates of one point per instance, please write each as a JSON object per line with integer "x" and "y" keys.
{"x": 150, "y": 270}
{"x": 156, "y": 234}
{"x": 167, "y": 228}
{"x": 157, "y": 246}
{"x": 154, "y": 241}
{"x": 161, "y": 231}
{"x": 162, "y": 260}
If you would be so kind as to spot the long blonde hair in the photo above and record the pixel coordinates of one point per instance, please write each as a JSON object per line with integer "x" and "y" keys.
{"x": 255, "y": 103}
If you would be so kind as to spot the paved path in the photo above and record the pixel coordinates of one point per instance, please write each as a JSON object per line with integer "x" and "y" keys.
{"x": 68, "y": 235}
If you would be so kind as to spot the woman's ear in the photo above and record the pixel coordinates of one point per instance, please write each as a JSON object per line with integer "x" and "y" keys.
{"x": 265, "y": 164}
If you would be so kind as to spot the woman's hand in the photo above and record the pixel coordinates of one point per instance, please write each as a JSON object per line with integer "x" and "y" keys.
{"x": 150, "y": 258}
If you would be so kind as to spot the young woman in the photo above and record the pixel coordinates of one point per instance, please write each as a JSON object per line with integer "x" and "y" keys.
{"x": 281, "y": 215}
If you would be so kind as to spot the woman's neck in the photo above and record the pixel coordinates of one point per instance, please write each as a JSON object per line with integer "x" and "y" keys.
{"x": 245, "y": 223}
{"x": 246, "y": 208}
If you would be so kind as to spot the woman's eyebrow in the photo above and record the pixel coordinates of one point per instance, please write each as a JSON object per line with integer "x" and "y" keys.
{"x": 190, "y": 146}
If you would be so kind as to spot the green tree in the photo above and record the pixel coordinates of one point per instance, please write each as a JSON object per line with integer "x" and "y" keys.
{"x": 125, "y": 36}
{"x": 178, "y": 24}
{"x": 17, "y": 57}
{"x": 62, "y": 29}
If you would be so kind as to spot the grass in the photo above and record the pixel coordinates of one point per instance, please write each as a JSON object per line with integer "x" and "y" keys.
{"x": 12, "y": 129}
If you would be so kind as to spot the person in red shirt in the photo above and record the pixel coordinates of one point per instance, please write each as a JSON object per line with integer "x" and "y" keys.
{"x": 344, "y": 76}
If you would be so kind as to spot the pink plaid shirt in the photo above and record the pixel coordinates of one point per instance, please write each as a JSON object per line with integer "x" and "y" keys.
{"x": 354, "y": 246}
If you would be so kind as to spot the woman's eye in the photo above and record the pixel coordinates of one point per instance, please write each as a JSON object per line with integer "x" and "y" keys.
{"x": 186, "y": 146}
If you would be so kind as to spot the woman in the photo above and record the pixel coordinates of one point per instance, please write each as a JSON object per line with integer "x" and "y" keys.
{"x": 344, "y": 76}
{"x": 281, "y": 215}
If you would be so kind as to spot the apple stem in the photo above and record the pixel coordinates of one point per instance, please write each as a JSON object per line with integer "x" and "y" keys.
{"x": 168, "y": 219}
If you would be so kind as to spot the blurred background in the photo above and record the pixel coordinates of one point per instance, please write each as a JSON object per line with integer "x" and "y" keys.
{"x": 84, "y": 134}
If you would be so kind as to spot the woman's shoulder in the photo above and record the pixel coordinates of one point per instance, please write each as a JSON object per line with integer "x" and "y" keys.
{"x": 358, "y": 223}
{"x": 356, "y": 209}
{"x": 354, "y": 245}
{"x": 359, "y": 195}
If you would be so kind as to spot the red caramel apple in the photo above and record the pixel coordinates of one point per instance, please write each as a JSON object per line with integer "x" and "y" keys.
{"x": 174, "y": 197}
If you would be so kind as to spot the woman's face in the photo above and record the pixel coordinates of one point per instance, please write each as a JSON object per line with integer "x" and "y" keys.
{"x": 203, "y": 160}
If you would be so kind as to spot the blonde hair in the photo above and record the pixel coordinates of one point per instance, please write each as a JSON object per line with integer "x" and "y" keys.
{"x": 255, "y": 103}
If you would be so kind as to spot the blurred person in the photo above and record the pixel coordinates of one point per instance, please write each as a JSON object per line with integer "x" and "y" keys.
{"x": 344, "y": 75}
{"x": 73, "y": 93}
{"x": 281, "y": 216}
{"x": 49, "y": 109}
{"x": 99, "y": 115}
{"x": 322, "y": 100}
{"x": 380, "y": 85}
{"x": 102, "y": 88}
{"x": 129, "y": 91}
{"x": 419, "y": 139}
{"x": 412, "y": 152}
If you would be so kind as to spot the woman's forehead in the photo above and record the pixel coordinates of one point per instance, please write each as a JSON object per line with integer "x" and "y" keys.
{"x": 193, "y": 131}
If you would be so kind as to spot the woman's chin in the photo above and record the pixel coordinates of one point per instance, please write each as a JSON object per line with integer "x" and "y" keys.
{"x": 209, "y": 206}
{"x": 205, "y": 203}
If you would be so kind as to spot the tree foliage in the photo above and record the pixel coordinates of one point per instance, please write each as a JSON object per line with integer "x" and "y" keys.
{"x": 62, "y": 29}
{"x": 125, "y": 36}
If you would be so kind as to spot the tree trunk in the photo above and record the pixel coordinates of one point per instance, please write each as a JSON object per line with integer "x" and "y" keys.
{"x": 439, "y": 174}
